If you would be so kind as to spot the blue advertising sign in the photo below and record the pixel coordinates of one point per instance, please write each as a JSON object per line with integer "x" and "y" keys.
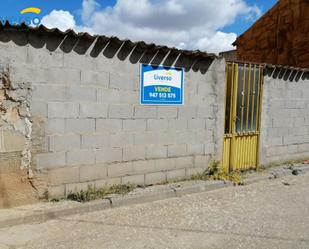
{"x": 161, "y": 85}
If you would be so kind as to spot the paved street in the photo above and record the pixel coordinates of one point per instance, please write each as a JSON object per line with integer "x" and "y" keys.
{"x": 269, "y": 214}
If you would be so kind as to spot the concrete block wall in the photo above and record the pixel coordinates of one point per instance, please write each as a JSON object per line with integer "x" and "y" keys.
{"x": 285, "y": 120}
{"x": 89, "y": 128}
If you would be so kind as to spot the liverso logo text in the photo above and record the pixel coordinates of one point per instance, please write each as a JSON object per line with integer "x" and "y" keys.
{"x": 23, "y": 18}
{"x": 167, "y": 77}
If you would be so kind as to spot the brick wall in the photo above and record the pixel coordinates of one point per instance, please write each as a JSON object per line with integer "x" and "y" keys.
{"x": 89, "y": 128}
{"x": 285, "y": 119}
{"x": 280, "y": 37}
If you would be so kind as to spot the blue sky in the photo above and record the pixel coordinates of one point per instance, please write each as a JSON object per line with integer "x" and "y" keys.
{"x": 239, "y": 23}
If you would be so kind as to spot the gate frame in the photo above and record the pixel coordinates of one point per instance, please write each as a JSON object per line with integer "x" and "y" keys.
{"x": 232, "y": 122}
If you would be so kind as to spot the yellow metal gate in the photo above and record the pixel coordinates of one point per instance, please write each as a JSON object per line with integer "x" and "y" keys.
{"x": 242, "y": 116}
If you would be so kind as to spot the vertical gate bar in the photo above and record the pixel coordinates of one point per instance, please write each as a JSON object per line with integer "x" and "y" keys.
{"x": 248, "y": 99}
{"x": 261, "y": 80}
{"x": 258, "y": 101}
{"x": 253, "y": 97}
{"x": 243, "y": 98}
{"x": 251, "y": 151}
{"x": 233, "y": 119}
{"x": 241, "y": 139}
{"x": 247, "y": 146}
{"x": 246, "y": 152}
{"x": 231, "y": 99}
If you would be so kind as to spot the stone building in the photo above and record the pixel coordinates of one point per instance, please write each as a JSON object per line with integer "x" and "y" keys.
{"x": 280, "y": 37}
{"x": 70, "y": 113}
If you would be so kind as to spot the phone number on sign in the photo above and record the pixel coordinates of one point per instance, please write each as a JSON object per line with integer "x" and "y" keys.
{"x": 163, "y": 95}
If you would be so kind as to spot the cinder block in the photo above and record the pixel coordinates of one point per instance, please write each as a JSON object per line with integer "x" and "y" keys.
{"x": 80, "y": 126}
{"x": 119, "y": 169}
{"x": 80, "y": 157}
{"x": 77, "y": 93}
{"x": 145, "y": 138}
{"x": 204, "y": 136}
{"x": 44, "y": 58}
{"x": 38, "y": 108}
{"x": 92, "y": 172}
{"x": 121, "y": 139}
{"x": 55, "y": 126}
{"x": 120, "y": 111}
{"x": 63, "y": 110}
{"x": 178, "y": 124}
{"x": 63, "y": 175}
{"x": 153, "y": 178}
{"x": 93, "y": 110}
{"x": 176, "y": 150}
{"x": 108, "y": 182}
{"x": 303, "y": 147}
{"x": 121, "y": 81}
{"x": 276, "y": 141}
{"x": 56, "y": 191}
{"x": 209, "y": 148}
{"x": 73, "y": 60}
{"x": 194, "y": 171}
{"x": 184, "y": 162}
{"x": 134, "y": 125}
{"x": 60, "y": 76}
{"x": 145, "y": 112}
{"x": 95, "y": 141}
{"x": 117, "y": 96}
{"x": 174, "y": 174}
{"x": 195, "y": 149}
{"x": 156, "y": 151}
{"x": 197, "y": 124}
{"x": 205, "y": 112}
{"x": 134, "y": 153}
{"x": 276, "y": 151}
{"x": 292, "y": 149}
{"x": 50, "y": 160}
{"x": 201, "y": 161}
{"x": 210, "y": 124}
{"x": 91, "y": 78}
{"x": 108, "y": 125}
{"x": 109, "y": 155}
{"x": 288, "y": 140}
{"x": 166, "y": 138}
{"x": 157, "y": 124}
{"x": 299, "y": 122}
{"x": 64, "y": 143}
{"x": 187, "y": 112}
{"x": 183, "y": 137}
{"x": 134, "y": 179}
{"x": 167, "y": 112}
{"x": 146, "y": 166}
{"x": 165, "y": 164}
{"x": 45, "y": 92}
{"x": 282, "y": 122}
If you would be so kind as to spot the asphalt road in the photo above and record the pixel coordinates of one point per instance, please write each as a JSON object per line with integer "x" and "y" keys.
{"x": 269, "y": 214}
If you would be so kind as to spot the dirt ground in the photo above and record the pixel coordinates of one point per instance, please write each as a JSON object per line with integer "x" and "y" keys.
{"x": 269, "y": 214}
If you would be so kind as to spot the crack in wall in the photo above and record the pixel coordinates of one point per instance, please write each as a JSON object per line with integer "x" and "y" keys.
{"x": 15, "y": 113}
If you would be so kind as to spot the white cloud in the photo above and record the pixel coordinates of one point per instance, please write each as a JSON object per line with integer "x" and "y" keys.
{"x": 61, "y": 19}
{"x": 193, "y": 24}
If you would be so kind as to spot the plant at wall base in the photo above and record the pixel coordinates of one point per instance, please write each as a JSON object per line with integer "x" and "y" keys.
{"x": 93, "y": 193}
{"x": 216, "y": 172}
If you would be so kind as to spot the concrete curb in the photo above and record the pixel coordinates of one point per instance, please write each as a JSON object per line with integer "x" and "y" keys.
{"x": 49, "y": 211}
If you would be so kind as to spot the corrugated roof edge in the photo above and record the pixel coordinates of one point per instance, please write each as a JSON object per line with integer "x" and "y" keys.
{"x": 71, "y": 32}
{"x": 271, "y": 66}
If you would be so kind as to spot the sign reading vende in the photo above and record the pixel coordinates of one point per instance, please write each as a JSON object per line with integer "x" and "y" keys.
{"x": 161, "y": 85}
